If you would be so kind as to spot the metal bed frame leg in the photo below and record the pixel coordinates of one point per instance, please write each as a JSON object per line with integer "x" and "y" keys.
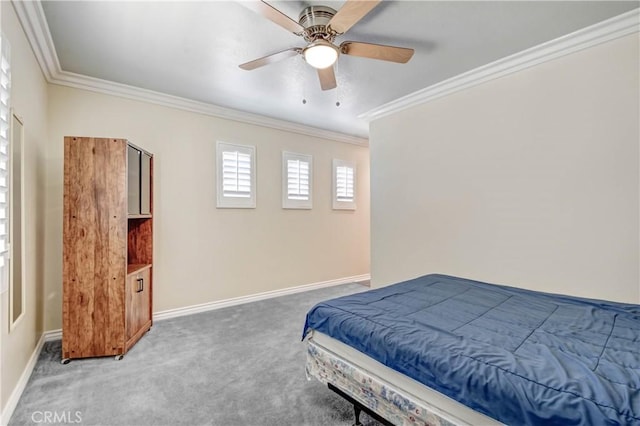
{"x": 356, "y": 412}
{"x": 358, "y": 408}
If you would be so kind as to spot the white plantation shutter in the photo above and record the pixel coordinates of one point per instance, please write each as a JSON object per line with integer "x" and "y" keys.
{"x": 344, "y": 185}
{"x": 236, "y": 170}
{"x": 236, "y": 175}
{"x": 5, "y": 121}
{"x": 296, "y": 180}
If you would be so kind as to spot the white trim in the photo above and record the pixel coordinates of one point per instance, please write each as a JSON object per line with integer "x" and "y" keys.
{"x": 610, "y": 29}
{"x": 51, "y": 335}
{"x": 31, "y": 16}
{"x": 12, "y": 403}
{"x": 12, "y": 231}
{"x": 34, "y": 23}
{"x": 210, "y": 306}
{"x": 79, "y": 81}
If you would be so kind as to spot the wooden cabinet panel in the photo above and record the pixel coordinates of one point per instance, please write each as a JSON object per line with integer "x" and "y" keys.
{"x": 100, "y": 240}
{"x": 138, "y": 301}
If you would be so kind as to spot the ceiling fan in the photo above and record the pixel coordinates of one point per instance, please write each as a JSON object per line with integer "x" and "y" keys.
{"x": 319, "y": 26}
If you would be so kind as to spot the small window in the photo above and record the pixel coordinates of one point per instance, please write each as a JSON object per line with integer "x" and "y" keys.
{"x": 297, "y": 172}
{"x": 236, "y": 184}
{"x": 344, "y": 185}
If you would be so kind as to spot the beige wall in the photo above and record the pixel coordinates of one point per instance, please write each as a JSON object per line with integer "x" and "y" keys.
{"x": 201, "y": 253}
{"x": 529, "y": 180}
{"x": 29, "y": 99}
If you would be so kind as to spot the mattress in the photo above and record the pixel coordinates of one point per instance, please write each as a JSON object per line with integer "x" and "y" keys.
{"x": 518, "y": 356}
{"x": 394, "y": 396}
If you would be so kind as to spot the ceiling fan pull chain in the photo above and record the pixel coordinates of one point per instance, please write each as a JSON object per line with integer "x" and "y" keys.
{"x": 337, "y": 86}
{"x": 304, "y": 94}
{"x": 304, "y": 87}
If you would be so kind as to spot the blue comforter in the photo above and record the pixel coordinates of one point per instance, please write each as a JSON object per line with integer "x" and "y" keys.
{"x": 519, "y": 356}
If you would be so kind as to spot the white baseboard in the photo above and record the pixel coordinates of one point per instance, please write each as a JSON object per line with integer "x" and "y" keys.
{"x": 218, "y": 304}
{"x": 50, "y": 335}
{"x": 12, "y": 403}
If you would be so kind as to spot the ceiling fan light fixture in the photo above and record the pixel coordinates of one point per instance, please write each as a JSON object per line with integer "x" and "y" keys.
{"x": 320, "y": 54}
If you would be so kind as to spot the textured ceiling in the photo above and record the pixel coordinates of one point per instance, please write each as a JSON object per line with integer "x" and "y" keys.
{"x": 193, "y": 49}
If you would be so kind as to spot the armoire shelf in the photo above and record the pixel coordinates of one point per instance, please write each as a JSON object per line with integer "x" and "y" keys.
{"x": 134, "y": 268}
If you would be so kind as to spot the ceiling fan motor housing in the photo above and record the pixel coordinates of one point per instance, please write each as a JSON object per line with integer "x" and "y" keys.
{"x": 314, "y": 19}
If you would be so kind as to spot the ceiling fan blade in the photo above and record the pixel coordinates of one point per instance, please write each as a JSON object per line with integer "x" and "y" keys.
{"x": 327, "y": 78}
{"x": 377, "y": 51}
{"x": 274, "y": 15}
{"x": 269, "y": 59}
{"x": 350, "y": 13}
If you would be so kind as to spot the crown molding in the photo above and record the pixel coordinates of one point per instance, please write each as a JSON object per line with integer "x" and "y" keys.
{"x": 79, "y": 81}
{"x": 610, "y": 29}
{"x": 34, "y": 23}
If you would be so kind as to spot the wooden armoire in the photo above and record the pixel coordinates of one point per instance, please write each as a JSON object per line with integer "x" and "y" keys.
{"x": 107, "y": 246}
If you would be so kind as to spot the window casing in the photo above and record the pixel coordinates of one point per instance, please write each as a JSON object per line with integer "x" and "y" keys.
{"x": 344, "y": 185}
{"x": 236, "y": 176}
{"x": 297, "y": 181}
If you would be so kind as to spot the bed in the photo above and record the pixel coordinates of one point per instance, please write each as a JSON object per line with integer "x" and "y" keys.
{"x": 445, "y": 350}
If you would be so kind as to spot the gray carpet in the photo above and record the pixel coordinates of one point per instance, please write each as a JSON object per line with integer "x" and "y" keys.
{"x": 242, "y": 365}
